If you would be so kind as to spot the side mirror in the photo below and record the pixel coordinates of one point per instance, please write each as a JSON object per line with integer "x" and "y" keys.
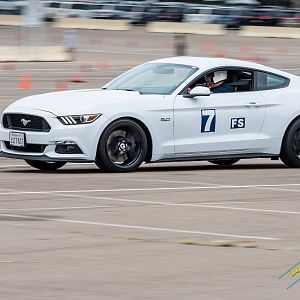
{"x": 198, "y": 91}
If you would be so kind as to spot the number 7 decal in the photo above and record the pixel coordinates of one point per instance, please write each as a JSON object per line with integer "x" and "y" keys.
{"x": 208, "y": 120}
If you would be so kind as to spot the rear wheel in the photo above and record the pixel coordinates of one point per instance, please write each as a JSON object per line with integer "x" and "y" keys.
{"x": 290, "y": 149}
{"x": 224, "y": 162}
{"x": 122, "y": 147}
{"x": 44, "y": 165}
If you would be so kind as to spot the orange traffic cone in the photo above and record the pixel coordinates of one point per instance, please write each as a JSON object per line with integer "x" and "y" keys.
{"x": 103, "y": 64}
{"x": 61, "y": 85}
{"x": 207, "y": 47}
{"x": 25, "y": 82}
{"x": 221, "y": 54}
{"x": 77, "y": 80}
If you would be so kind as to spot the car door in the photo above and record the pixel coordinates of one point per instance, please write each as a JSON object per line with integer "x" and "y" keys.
{"x": 223, "y": 123}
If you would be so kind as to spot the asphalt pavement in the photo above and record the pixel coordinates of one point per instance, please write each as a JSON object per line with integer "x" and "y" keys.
{"x": 167, "y": 231}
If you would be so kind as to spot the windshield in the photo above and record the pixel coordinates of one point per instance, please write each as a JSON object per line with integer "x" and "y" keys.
{"x": 153, "y": 78}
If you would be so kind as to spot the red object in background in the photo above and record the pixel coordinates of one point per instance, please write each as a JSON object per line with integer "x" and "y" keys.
{"x": 25, "y": 82}
{"x": 208, "y": 47}
{"x": 61, "y": 85}
{"x": 103, "y": 64}
{"x": 221, "y": 54}
{"x": 77, "y": 80}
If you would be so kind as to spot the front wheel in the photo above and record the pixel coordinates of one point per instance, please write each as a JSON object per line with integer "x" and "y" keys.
{"x": 224, "y": 162}
{"x": 290, "y": 149}
{"x": 44, "y": 165}
{"x": 122, "y": 147}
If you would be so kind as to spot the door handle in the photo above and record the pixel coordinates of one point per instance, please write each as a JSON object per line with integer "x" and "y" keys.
{"x": 254, "y": 104}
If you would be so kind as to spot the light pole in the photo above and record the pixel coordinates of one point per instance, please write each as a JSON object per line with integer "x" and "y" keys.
{"x": 32, "y": 24}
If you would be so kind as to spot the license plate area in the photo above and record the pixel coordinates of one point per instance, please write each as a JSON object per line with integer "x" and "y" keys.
{"x": 17, "y": 139}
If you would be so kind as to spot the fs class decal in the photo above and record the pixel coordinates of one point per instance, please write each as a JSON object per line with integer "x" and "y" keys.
{"x": 208, "y": 120}
{"x": 237, "y": 123}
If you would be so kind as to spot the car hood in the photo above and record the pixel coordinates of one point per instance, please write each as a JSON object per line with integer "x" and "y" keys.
{"x": 74, "y": 102}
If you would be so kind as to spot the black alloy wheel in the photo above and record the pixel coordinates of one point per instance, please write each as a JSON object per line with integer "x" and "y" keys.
{"x": 122, "y": 147}
{"x": 290, "y": 149}
{"x": 44, "y": 165}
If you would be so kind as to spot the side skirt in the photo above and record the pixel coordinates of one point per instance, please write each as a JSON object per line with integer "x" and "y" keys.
{"x": 215, "y": 157}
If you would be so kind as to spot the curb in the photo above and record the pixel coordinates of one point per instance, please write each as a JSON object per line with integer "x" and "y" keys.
{"x": 26, "y": 54}
{"x": 72, "y": 23}
{"x": 271, "y": 32}
{"x": 193, "y": 28}
{"x": 11, "y": 20}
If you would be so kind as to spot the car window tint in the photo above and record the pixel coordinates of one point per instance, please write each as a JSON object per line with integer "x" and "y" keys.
{"x": 266, "y": 81}
{"x": 65, "y": 5}
{"x": 55, "y": 5}
{"x": 243, "y": 81}
{"x": 191, "y": 11}
{"x": 96, "y": 6}
{"x": 123, "y": 8}
{"x": 108, "y": 7}
{"x": 79, "y": 6}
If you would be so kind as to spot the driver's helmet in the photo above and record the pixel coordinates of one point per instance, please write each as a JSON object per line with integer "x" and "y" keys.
{"x": 219, "y": 76}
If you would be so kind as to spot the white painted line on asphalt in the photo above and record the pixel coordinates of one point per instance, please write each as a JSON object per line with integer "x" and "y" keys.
{"x": 162, "y": 203}
{"x": 252, "y": 209}
{"x": 13, "y": 166}
{"x": 5, "y": 189}
{"x": 57, "y": 208}
{"x": 209, "y": 184}
{"x": 282, "y": 190}
{"x": 238, "y": 202}
{"x": 146, "y": 228}
{"x": 203, "y": 183}
{"x": 171, "y": 181}
{"x": 153, "y": 189}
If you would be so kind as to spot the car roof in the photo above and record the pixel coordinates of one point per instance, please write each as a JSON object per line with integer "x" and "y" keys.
{"x": 206, "y": 63}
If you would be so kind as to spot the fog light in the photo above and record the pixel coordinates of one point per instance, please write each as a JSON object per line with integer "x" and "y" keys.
{"x": 67, "y": 147}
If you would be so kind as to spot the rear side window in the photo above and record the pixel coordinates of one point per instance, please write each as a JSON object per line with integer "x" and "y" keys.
{"x": 267, "y": 81}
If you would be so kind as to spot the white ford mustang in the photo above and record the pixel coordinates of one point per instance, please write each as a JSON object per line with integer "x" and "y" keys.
{"x": 161, "y": 111}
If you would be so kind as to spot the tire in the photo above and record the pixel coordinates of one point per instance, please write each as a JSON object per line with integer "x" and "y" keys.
{"x": 290, "y": 148}
{"x": 224, "y": 162}
{"x": 45, "y": 166}
{"x": 122, "y": 147}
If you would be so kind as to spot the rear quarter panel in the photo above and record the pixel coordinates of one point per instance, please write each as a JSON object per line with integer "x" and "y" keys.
{"x": 283, "y": 106}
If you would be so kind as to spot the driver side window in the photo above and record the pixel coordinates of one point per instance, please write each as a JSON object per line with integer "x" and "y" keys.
{"x": 225, "y": 81}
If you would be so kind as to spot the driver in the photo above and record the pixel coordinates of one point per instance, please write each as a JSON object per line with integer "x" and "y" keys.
{"x": 216, "y": 82}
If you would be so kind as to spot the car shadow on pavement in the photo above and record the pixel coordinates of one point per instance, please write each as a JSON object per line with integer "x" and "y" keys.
{"x": 211, "y": 167}
{"x": 154, "y": 168}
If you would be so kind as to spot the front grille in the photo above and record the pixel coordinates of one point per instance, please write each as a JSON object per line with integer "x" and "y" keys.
{"x": 25, "y": 122}
{"x": 34, "y": 148}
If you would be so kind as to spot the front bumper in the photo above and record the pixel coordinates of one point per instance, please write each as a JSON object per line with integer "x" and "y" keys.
{"x": 85, "y": 136}
{"x": 42, "y": 157}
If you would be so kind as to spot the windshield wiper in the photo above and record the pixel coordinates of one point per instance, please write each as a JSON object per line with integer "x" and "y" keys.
{"x": 128, "y": 90}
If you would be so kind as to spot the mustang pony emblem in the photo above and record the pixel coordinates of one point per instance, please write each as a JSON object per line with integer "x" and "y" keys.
{"x": 25, "y": 122}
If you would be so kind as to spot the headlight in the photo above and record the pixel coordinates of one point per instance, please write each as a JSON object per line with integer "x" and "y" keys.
{"x": 77, "y": 120}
